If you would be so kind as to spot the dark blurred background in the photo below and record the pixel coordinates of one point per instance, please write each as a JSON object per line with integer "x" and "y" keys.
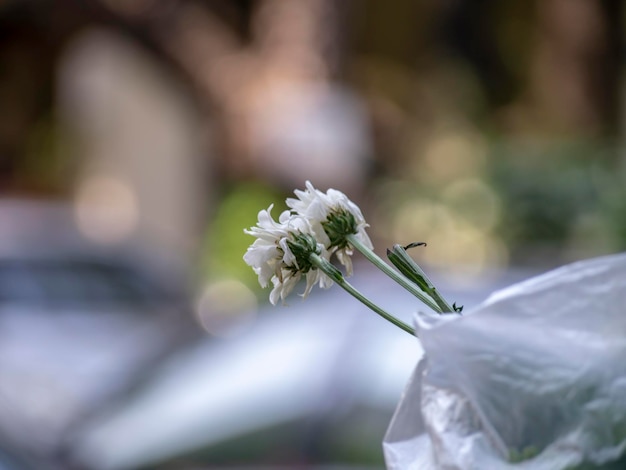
{"x": 139, "y": 137}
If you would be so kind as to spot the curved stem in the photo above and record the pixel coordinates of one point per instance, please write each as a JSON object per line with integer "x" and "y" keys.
{"x": 332, "y": 272}
{"x": 392, "y": 273}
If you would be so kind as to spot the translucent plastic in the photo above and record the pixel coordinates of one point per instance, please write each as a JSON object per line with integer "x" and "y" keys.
{"x": 534, "y": 378}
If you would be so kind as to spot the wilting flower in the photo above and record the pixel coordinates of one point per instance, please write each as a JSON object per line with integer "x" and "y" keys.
{"x": 332, "y": 217}
{"x": 281, "y": 254}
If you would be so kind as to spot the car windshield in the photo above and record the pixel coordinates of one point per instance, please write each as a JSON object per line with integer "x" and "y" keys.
{"x": 69, "y": 282}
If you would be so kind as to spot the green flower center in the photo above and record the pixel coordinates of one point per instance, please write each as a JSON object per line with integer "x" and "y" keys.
{"x": 339, "y": 224}
{"x": 302, "y": 245}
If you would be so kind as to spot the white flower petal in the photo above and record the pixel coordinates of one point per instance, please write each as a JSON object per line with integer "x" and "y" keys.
{"x": 288, "y": 257}
{"x": 261, "y": 256}
{"x": 315, "y": 276}
{"x": 275, "y": 294}
{"x": 317, "y": 206}
{"x": 290, "y": 280}
{"x": 284, "y": 217}
{"x": 271, "y": 257}
{"x": 344, "y": 257}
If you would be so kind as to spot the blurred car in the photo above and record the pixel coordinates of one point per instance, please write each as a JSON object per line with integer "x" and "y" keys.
{"x": 312, "y": 384}
{"x": 80, "y": 325}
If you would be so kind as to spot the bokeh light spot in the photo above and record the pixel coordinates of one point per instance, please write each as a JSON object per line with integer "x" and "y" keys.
{"x": 450, "y": 156}
{"x": 225, "y": 308}
{"x": 106, "y": 209}
{"x": 475, "y": 201}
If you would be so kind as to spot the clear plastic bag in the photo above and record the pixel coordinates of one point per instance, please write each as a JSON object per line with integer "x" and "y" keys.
{"x": 534, "y": 378}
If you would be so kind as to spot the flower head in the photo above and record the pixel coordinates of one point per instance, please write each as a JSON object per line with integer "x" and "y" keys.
{"x": 281, "y": 253}
{"x": 332, "y": 217}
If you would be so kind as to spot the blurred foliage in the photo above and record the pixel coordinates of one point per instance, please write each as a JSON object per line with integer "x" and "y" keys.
{"x": 566, "y": 196}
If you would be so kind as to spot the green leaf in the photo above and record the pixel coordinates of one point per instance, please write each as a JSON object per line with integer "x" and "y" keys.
{"x": 411, "y": 270}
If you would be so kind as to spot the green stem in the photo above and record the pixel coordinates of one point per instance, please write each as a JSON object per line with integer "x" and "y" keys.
{"x": 434, "y": 293}
{"x": 332, "y": 272}
{"x": 392, "y": 273}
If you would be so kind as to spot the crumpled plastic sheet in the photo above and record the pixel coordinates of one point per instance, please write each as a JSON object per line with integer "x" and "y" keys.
{"x": 533, "y": 378}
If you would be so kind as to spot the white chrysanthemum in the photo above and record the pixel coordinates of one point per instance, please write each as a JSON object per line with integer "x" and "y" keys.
{"x": 332, "y": 217}
{"x": 280, "y": 254}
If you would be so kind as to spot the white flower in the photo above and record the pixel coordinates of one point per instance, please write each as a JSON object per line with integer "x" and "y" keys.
{"x": 264, "y": 254}
{"x": 280, "y": 254}
{"x": 332, "y": 217}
